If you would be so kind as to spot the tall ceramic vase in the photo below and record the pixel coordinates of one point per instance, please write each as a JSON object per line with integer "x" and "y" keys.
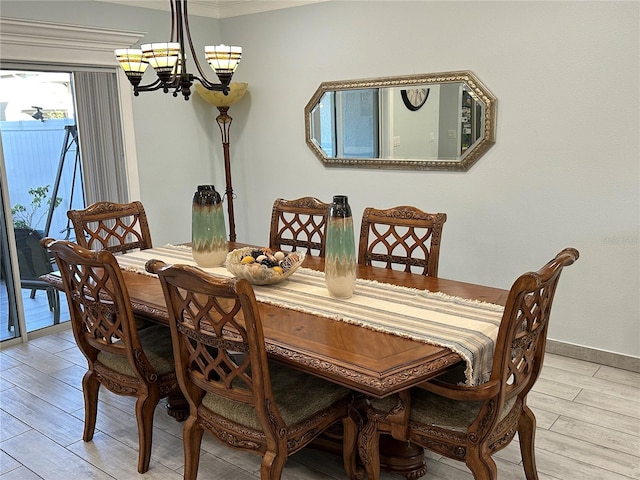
{"x": 208, "y": 232}
{"x": 340, "y": 250}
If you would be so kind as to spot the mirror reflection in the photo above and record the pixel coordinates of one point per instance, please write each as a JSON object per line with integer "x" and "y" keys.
{"x": 425, "y": 122}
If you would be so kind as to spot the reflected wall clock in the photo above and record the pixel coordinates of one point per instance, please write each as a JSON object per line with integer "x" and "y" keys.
{"x": 414, "y": 98}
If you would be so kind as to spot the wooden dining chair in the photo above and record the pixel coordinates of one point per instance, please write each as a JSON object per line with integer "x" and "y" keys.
{"x": 299, "y": 225}
{"x": 402, "y": 236}
{"x": 123, "y": 360}
{"x": 117, "y": 227}
{"x": 234, "y": 391}
{"x": 471, "y": 423}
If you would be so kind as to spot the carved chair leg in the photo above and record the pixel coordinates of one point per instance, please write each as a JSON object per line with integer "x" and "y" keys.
{"x": 272, "y": 465}
{"x": 192, "y": 439}
{"x": 90, "y": 388}
{"x": 369, "y": 449}
{"x": 481, "y": 465}
{"x": 145, "y": 408}
{"x": 526, "y": 434}
{"x": 349, "y": 446}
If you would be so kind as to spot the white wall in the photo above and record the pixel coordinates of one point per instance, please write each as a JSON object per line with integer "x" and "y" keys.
{"x": 564, "y": 170}
{"x": 418, "y": 131}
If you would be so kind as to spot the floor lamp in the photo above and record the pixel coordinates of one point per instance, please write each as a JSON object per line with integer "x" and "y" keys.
{"x": 223, "y": 102}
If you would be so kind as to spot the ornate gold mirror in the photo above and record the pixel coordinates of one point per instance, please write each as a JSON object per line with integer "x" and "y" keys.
{"x": 439, "y": 121}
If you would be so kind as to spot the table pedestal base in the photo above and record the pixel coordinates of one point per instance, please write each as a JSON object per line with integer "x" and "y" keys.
{"x": 403, "y": 458}
{"x": 178, "y": 407}
{"x": 397, "y": 457}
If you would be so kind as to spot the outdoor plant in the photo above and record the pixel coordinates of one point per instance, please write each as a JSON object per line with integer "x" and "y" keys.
{"x": 31, "y": 216}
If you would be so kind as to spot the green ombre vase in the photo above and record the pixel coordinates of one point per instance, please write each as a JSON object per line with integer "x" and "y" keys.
{"x": 208, "y": 232}
{"x": 340, "y": 250}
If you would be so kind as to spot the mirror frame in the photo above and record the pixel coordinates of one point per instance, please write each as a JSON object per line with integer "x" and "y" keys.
{"x": 470, "y": 156}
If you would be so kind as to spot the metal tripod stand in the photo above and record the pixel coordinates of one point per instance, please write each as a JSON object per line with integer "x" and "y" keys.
{"x": 70, "y": 139}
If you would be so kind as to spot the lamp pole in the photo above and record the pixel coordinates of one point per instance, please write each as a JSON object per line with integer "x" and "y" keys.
{"x": 222, "y": 102}
{"x": 224, "y": 123}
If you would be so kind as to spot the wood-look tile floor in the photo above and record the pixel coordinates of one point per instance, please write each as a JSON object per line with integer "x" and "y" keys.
{"x": 588, "y": 428}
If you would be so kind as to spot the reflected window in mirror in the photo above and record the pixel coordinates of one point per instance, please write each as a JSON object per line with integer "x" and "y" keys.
{"x": 346, "y": 123}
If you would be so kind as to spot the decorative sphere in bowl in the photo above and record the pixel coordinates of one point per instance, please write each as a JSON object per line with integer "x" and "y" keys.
{"x": 262, "y": 266}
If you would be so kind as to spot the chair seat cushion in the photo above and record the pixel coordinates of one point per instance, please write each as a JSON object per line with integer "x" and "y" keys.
{"x": 298, "y": 396}
{"x": 431, "y": 409}
{"x": 156, "y": 343}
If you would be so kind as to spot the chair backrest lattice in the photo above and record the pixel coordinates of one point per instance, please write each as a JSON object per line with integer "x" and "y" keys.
{"x": 218, "y": 338}
{"x": 117, "y": 227}
{"x": 99, "y": 304}
{"x": 299, "y": 224}
{"x": 522, "y": 336}
{"x": 404, "y": 236}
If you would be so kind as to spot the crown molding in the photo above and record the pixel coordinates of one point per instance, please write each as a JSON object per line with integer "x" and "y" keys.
{"x": 236, "y": 8}
{"x": 219, "y": 8}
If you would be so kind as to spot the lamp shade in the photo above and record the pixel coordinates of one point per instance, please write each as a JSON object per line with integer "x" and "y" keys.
{"x": 162, "y": 57}
{"x": 223, "y": 60}
{"x": 219, "y": 99}
{"x": 131, "y": 60}
{"x": 133, "y": 63}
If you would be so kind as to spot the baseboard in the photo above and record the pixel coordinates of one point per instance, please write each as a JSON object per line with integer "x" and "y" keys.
{"x": 616, "y": 360}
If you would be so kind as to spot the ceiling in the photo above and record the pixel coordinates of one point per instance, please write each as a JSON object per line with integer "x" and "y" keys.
{"x": 219, "y": 8}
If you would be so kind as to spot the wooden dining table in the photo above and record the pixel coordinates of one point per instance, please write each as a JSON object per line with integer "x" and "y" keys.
{"x": 369, "y": 361}
{"x": 366, "y": 360}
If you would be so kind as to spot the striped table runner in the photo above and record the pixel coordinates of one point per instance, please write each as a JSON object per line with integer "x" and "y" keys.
{"x": 467, "y": 327}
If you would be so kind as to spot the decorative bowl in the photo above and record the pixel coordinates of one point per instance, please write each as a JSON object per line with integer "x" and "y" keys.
{"x": 258, "y": 273}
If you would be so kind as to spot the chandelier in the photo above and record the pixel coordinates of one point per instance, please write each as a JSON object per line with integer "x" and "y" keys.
{"x": 169, "y": 60}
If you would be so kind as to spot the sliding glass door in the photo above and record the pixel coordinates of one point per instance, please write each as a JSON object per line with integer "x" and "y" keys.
{"x": 44, "y": 179}
{"x": 56, "y": 157}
